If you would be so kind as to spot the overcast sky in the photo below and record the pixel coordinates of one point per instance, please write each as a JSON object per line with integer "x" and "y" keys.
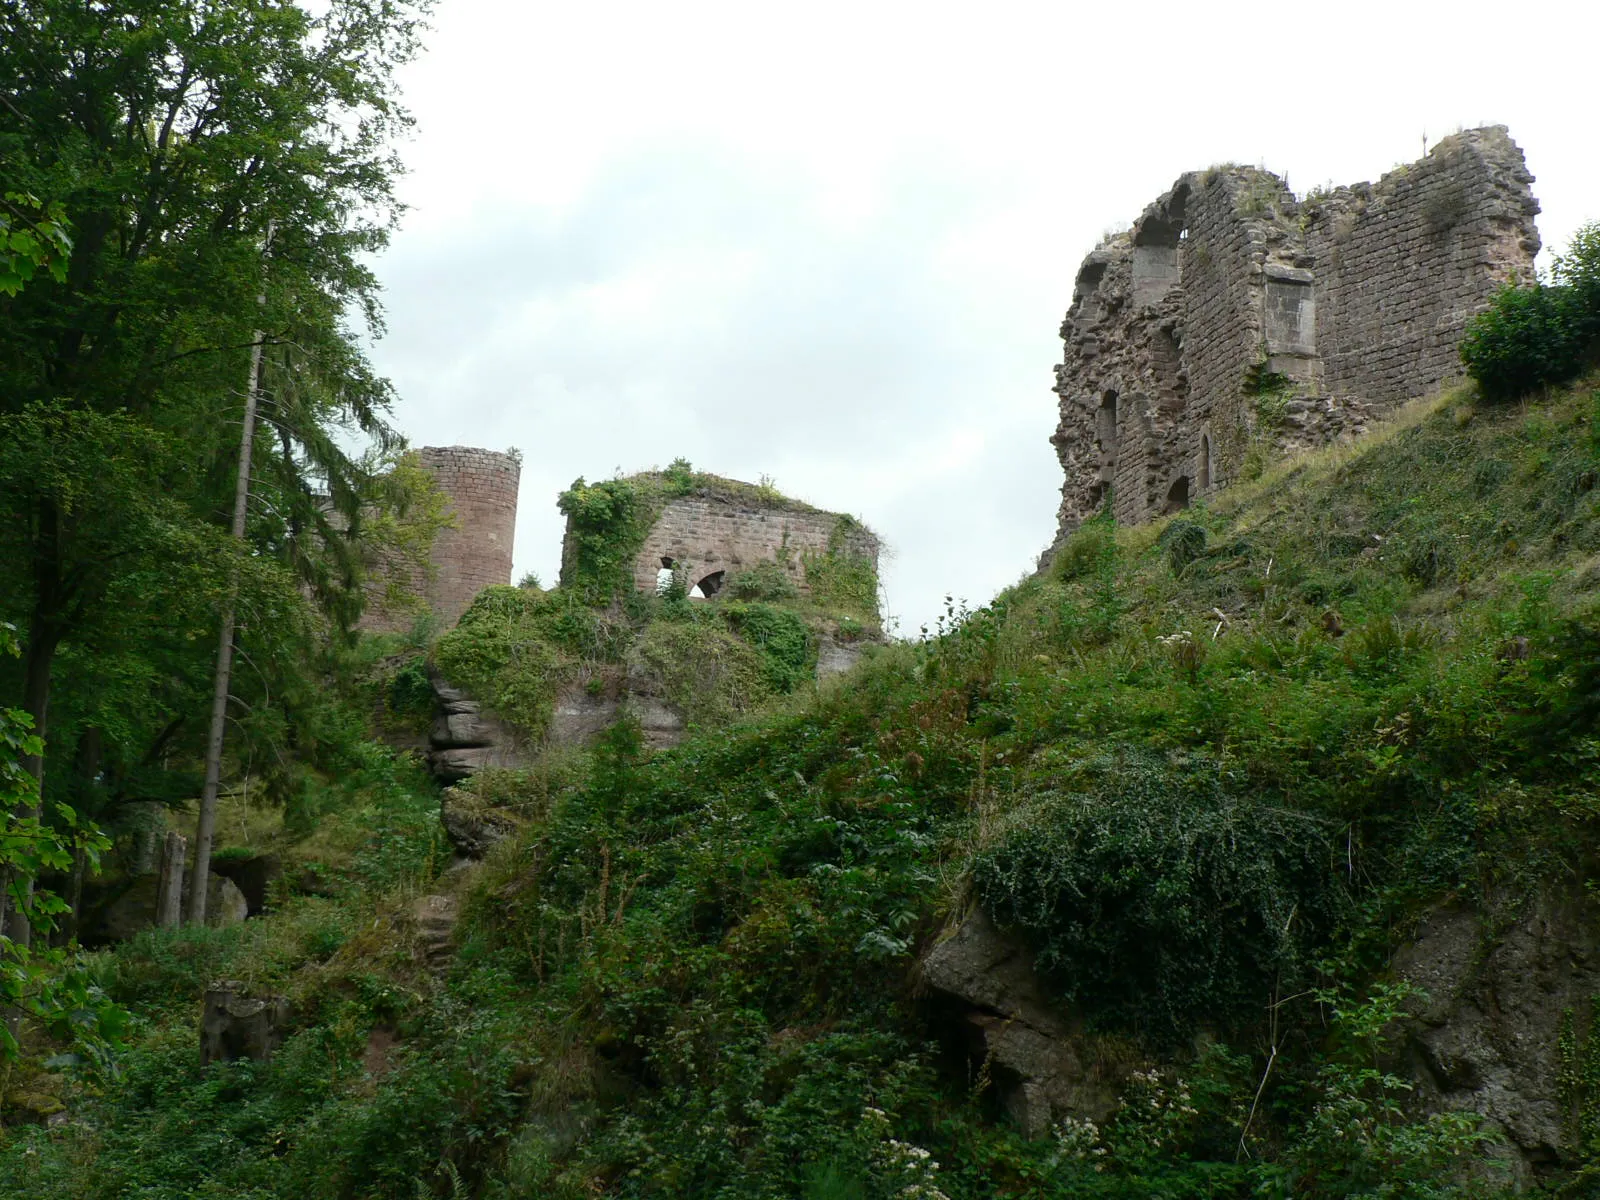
{"x": 832, "y": 243}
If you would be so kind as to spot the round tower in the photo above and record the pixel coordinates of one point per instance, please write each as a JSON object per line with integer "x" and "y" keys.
{"x": 481, "y": 486}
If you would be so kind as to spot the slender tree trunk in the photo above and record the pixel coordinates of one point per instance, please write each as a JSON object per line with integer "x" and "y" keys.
{"x": 206, "y": 827}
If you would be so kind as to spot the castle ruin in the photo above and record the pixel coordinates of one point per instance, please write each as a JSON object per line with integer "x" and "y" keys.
{"x": 1233, "y": 316}
{"x": 724, "y": 527}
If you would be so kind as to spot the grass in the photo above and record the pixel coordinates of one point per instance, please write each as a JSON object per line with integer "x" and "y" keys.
{"x": 1366, "y": 681}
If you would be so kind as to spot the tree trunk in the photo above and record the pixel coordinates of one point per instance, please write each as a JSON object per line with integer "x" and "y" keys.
{"x": 205, "y": 828}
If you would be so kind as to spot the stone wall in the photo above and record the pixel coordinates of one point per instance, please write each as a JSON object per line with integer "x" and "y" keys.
{"x": 709, "y": 537}
{"x": 1233, "y": 316}
{"x": 475, "y": 551}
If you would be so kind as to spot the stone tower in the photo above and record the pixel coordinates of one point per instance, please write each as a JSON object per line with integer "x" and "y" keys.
{"x": 480, "y": 490}
{"x": 476, "y": 553}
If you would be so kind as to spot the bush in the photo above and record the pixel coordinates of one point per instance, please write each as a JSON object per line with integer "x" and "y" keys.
{"x": 707, "y": 673}
{"x": 1090, "y": 547}
{"x": 780, "y": 637}
{"x": 1528, "y": 339}
{"x": 1533, "y": 337}
{"x": 764, "y": 581}
{"x": 1156, "y": 900}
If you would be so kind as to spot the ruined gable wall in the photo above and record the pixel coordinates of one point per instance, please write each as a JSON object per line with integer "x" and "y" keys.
{"x": 710, "y": 532}
{"x": 1358, "y": 299}
{"x": 1404, "y": 264}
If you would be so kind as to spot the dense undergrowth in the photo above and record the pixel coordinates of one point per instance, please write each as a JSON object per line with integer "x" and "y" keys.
{"x": 712, "y": 660}
{"x": 1211, "y": 769}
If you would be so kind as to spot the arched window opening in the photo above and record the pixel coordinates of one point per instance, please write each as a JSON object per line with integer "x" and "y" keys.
{"x": 1177, "y": 495}
{"x": 710, "y": 585}
{"x": 1205, "y": 461}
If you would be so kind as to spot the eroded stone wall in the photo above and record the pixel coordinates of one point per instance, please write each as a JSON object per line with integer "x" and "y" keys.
{"x": 1233, "y": 316}
{"x": 709, "y": 537}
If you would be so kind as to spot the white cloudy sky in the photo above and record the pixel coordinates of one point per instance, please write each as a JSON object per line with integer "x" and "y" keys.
{"x": 832, "y": 243}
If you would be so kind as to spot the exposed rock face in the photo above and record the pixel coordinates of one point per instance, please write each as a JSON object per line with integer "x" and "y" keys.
{"x": 135, "y": 909}
{"x": 466, "y": 737}
{"x": 234, "y": 1025}
{"x": 1354, "y": 300}
{"x": 253, "y": 876}
{"x": 472, "y": 826}
{"x": 436, "y": 918}
{"x": 1487, "y": 1038}
{"x": 1043, "y": 1063}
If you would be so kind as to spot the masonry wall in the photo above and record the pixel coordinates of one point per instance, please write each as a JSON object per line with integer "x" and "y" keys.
{"x": 481, "y": 489}
{"x": 476, "y": 553}
{"x": 709, "y": 537}
{"x": 1403, "y": 264}
{"x": 1345, "y": 305}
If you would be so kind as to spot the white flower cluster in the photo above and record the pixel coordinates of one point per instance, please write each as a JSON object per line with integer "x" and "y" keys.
{"x": 1078, "y": 1140}
{"x": 916, "y": 1170}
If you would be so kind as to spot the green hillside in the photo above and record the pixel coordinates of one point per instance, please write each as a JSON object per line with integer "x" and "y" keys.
{"x": 1210, "y": 771}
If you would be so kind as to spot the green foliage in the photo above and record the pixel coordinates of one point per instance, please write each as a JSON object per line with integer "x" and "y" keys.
{"x": 1269, "y": 391}
{"x": 33, "y": 237}
{"x": 1533, "y": 337}
{"x": 764, "y": 581}
{"x": 1185, "y": 542}
{"x": 1157, "y": 901}
{"x": 48, "y": 985}
{"x": 515, "y": 648}
{"x": 788, "y": 654}
{"x": 843, "y": 581}
{"x": 607, "y": 523}
{"x": 1361, "y": 1141}
{"x": 710, "y": 674}
{"x": 1088, "y": 550}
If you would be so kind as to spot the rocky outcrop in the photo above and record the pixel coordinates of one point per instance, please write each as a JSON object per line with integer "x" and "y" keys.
{"x": 1499, "y": 992}
{"x": 436, "y": 918}
{"x": 472, "y": 826}
{"x": 135, "y": 909}
{"x": 1040, "y": 1060}
{"x": 466, "y": 737}
{"x": 254, "y": 876}
{"x": 235, "y": 1025}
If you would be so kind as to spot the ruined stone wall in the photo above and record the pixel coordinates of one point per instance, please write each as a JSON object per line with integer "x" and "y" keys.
{"x": 1406, "y": 262}
{"x": 709, "y": 537}
{"x": 1233, "y": 318}
{"x": 474, "y": 552}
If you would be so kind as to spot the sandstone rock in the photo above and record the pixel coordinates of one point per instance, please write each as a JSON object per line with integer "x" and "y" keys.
{"x": 436, "y": 918}
{"x": 234, "y": 1025}
{"x": 1486, "y": 1039}
{"x": 835, "y": 657}
{"x": 1039, "y": 1057}
{"x": 135, "y": 909}
{"x": 253, "y": 876}
{"x": 472, "y": 826}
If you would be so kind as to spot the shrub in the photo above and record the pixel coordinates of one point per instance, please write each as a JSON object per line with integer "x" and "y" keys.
{"x": 706, "y": 672}
{"x": 1184, "y": 542}
{"x": 1156, "y": 900}
{"x": 764, "y": 581}
{"x": 781, "y": 638}
{"x": 1533, "y": 337}
{"x": 1086, "y": 550}
{"x": 1529, "y": 338}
